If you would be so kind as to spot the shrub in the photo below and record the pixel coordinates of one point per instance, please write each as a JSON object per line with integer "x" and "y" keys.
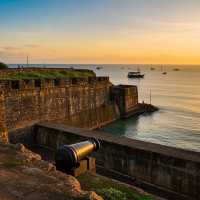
{"x": 3, "y": 66}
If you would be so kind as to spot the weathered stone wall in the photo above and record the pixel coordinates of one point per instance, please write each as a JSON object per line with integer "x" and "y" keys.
{"x": 168, "y": 168}
{"x": 131, "y": 97}
{"x": 3, "y": 129}
{"x": 126, "y": 97}
{"x": 82, "y": 102}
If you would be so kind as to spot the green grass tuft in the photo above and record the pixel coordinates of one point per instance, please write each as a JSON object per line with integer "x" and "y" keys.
{"x": 48, "y": 74}
{"x": 112, "y": 194}
{"x": 110, "y": 190}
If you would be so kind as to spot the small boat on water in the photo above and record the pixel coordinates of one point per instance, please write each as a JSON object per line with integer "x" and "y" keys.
{"x": 163, "y": 71}
{"x": 176, "y": 69}
{"x": 98, "y": 68}
{"x": 135, "y": 75}
{"x": 152, "y": 68}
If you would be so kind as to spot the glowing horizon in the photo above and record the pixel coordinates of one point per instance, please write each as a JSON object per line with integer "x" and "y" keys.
{"x": 92, "y": 31}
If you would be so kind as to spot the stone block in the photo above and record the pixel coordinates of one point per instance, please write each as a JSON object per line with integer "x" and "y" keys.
{"x": 88, "y": 164}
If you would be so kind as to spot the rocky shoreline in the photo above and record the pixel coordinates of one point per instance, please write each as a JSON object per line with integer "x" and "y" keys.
{"x": 23, "y": 175}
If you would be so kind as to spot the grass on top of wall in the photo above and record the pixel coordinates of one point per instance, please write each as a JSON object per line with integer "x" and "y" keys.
{"x": 110, "y": 189}
{"x": 47, "y": 74}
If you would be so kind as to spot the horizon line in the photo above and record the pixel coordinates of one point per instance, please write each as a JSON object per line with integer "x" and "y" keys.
{"x": 101, "y": 64}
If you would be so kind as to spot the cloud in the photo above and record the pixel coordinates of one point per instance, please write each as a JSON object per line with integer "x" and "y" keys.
{"x": 10, "y": 48}
{"x": 8, "y": 53}
{"x": 32, "y": 46}
{"x": 19, "y": 48}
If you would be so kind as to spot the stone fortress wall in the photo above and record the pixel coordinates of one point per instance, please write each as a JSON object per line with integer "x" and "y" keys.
{"x": 126, "y": 97}
{"x": 88, "y": 102}
{"x": 82, "y": 102}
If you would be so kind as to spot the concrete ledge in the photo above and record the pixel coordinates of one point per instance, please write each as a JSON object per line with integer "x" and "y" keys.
{"x": 133, "y": 143}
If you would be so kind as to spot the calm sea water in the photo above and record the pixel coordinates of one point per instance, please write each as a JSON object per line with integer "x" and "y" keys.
{"x": 177, "y": 94}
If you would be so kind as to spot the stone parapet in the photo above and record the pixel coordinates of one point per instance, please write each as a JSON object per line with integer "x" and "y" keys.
{"x": 82, "y": 102}
{"x": 169, "y": 170}
{"x": 10, "y": 85}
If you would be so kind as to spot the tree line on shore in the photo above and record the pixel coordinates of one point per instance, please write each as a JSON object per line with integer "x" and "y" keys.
{"x": 3, "y": 66}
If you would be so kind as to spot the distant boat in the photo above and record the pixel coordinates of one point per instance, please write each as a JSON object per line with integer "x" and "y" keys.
{"x": 135, "y": 75}
{"x": 98, "y": 68}
{"x": 152, "y": 68}
{"x": 176, "y": 69}
{"x": 163, "y": 72}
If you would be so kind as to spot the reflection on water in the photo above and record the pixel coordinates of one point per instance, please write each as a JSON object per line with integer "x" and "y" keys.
{"x": 160, "y": 128}
{"x": 120, "y": 127}
{"x": 177, "y": 94}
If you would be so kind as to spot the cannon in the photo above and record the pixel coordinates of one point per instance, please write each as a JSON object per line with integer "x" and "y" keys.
{"x": 73, "y": 159}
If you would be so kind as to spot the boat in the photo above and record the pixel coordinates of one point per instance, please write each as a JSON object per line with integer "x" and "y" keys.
{"x": 152, "y": 68}
{"x": 98, "y": 68}
{"x": 176, "y": 69}
{"x": 163, "y": 72}
{"x": 135, "y": 75}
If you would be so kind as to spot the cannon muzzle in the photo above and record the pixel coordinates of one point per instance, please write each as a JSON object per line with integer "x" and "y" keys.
{"x": 68, "y": 156}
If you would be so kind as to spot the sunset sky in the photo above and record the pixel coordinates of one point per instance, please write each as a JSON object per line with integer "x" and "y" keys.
{"x": 100, "y": 31}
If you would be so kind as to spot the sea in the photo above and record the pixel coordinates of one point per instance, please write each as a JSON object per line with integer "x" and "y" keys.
{"x": 176, "y": 94}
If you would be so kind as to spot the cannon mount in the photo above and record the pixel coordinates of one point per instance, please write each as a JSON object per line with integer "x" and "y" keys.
{"x": 73, "y": 159}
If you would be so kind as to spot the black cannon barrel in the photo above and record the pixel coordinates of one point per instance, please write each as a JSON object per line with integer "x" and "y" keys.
{"x": 68, "y": 156}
